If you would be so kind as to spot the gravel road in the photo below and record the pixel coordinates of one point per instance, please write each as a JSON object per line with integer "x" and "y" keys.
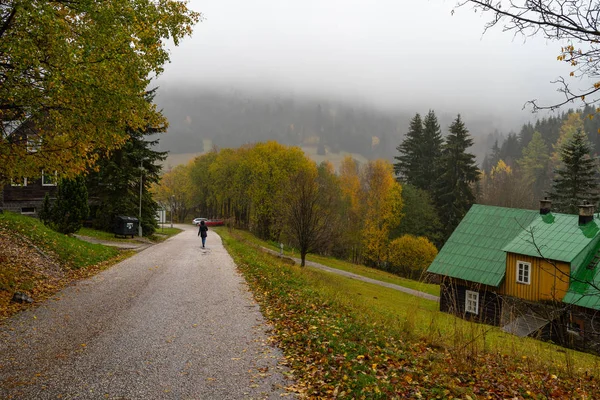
{"x": 175, "y": 321}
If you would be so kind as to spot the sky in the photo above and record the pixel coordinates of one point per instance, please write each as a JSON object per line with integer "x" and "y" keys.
{"x": 413, "y": 55}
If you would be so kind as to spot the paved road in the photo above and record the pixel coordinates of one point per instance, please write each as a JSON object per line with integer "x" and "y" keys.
{"x": 173, "y": 322}
{"x": 362, "y": 278}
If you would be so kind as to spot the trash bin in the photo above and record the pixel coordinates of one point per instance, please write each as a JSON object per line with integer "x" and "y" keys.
{"x": 125, "y": 226}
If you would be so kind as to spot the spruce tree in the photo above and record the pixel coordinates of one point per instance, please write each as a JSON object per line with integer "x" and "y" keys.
{"x": 420, "y": 152}
{"x": 407, "y": 167}
{"x": 431, "y": 151}
{"x": 114, "y": 186}
{"x": 576, "y": 180}
{"x": 70, "y": 207}
{"x": 454, "y": 188}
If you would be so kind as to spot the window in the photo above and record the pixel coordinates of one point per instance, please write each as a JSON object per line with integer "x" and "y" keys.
{"x": 28, "y": 210}
{"x": 472, "y": 302}
{"x": 34, "y": 143}
{"x": 523, "y": 272}
{"x": 18, "y": 182}
{"x": 49, "y": 179}
{"x": 575, "y": 326}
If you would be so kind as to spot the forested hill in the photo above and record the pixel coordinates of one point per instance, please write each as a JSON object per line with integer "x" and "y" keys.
{"x": 201, "y": 117}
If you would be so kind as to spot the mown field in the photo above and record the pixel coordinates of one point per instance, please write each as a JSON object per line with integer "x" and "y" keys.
{"x": 349, "y": 339}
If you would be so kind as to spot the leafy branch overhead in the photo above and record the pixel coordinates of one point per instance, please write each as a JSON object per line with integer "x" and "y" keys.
{"x": 573, "y": 24}
{"x": 77, "y": 72}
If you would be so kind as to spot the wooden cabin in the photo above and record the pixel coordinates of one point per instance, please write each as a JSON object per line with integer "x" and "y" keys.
{"x": 521, "y": 269}
{"x": 26, "y": 195}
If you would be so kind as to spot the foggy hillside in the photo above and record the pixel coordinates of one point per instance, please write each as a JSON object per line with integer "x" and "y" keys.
{"x": 200, "y": 117}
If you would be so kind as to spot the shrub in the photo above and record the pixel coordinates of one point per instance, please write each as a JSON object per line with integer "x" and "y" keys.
{"x": 409, "y": 256}
{"x": 69, "y": 209}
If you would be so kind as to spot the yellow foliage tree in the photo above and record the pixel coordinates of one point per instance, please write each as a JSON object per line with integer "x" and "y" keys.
{"x": 74, "y": 76}
{"x": 410, "y": 256}
{"x": 382, "y": 197}
{"x": 353, "y": 206}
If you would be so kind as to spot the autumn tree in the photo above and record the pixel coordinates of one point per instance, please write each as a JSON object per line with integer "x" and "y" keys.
{"x": 201, "y": 196}
{"x": 503, "y": 187}
{"x": 73, "y": 78}
{"x": 354, "y": 215}
{"x": 454, "y": 187}
{"x": 409, "y": 256}
{"x": 576, "y": 180}
{"x": 534, "y": 165}
{"x": 382, "y": 197}
{"x": 173, "y": 192}
{"x": 573, "y": 24}
{"x": 308, "y": 211}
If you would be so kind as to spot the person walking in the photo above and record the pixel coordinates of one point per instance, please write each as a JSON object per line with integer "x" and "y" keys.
{"x": 202, "y": 232}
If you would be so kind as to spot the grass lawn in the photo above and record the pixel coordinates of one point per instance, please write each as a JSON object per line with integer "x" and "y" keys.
{"x": 351, "y": 339}
{"x": 36, "y": 260}
{"x": 159, "y": 235}
{"x": 346, "y": 266}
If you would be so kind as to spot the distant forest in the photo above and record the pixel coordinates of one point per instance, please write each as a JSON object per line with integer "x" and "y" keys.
{"x": 510, "y": 148}
{"x": 230, "y": 119}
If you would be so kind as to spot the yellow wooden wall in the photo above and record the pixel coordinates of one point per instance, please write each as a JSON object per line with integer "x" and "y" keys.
{"x": 548, "y": 282}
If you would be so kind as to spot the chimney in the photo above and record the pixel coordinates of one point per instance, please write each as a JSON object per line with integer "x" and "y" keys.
{"x": 586, "y": 213}
{"x": 545, "y": 206}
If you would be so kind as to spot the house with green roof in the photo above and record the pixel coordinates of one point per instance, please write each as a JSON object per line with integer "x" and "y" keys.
{"x": 525, "y": 270}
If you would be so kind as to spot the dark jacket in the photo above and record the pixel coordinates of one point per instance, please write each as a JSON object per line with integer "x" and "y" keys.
{"x": 202, "y": 230}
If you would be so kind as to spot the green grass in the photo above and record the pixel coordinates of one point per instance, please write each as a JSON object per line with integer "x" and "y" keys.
{"x": 159, "y": 235}
{"x": 162, "y": 234}
{"x": 70, "y": 251}
{"x": 356, "y": 339}
{"x": 347, "y": 266}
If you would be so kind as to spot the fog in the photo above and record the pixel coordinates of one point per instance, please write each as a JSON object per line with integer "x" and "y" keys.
{"x": 393, "y": 56}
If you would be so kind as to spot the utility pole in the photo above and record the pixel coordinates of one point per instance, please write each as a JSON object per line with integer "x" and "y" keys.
{"x": 141, "y": 181}
{"x": 172, "y": 200}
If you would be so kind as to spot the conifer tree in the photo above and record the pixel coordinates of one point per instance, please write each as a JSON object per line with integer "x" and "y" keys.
{"x": 70, "y": 207}
{"x": 114, "y": 187}
{"x": 408, "y": 165}
{"x": 420, "y": 152}
{"x": 431, "y": 151}
{"x": 454, "y": 187}
{"x": 576, "y": 180}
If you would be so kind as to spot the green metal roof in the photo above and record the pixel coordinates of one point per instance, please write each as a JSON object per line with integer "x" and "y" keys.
{"x": 554, "y": 237}
{"x": 474, "y": 250}
{"x": 585, "y": 283}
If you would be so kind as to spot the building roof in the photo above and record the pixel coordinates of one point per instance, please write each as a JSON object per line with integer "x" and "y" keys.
{"x": 554, "y": 237}
{"x": 474, "y": 250}
{"x": 584, "y": 288}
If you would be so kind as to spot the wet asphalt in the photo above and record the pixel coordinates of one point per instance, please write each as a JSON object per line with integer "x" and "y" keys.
{"x": 175, "y": 321}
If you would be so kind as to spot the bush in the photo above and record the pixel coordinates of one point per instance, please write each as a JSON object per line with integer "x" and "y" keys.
{"x": 409, "y": 256}
{"x": 69, "y": 209}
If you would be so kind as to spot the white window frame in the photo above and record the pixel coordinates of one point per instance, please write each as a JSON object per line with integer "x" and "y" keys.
{"x": 52, "y": 182}
{"x": 472, "y": 302}
{"x": 523, "y": 272}
{"x": 22, "y": 182}
{"x": 32, "y": 212}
